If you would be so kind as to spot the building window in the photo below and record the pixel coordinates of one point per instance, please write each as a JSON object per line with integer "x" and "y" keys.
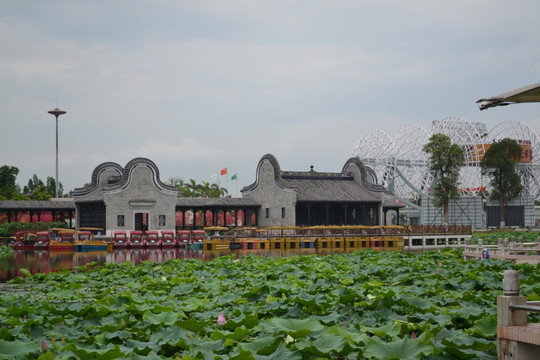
{"x": 283, "y": 213}
{"x": 161, "y": 220}
{"x": 120, "y": 220}
{"x": 267, "y": 213}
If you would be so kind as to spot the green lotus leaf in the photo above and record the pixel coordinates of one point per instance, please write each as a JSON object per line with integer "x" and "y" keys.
{"x": 298, "y": 327}
{"x": 10, "y": 349}
{"x": 402, "y": 349}
{"x": 418, "y": 303}
{"x": 328, "y": 343}
{"x": 192, "y": 325}
{"x": 390, "y": 329}
{"x": 263, "y": 346}
{"x": 281, "y": 353}
{"x": 164, "y": 318}
{"x": 242, "y": 355}
{"x": 238, "y": 334}
{"x": 91, "y": 353}
{"x": 486, "y": 327}
{"x": 194, "y": 304}
{"x": 141, "y": 347}
{"x": 25, "y": 272}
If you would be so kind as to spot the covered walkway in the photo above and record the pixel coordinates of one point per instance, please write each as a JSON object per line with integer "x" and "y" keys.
{"x": 200, "y": 212}
{"x": 37, "y": 211}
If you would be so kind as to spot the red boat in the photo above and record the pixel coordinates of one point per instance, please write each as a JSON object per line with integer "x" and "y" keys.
{"x": 136, "y": 239}
{"x": 120, "y": 240}
{"x": 43, "y": 240}
{"x": 184, "y": 236}
{"x": 65, "y": 242}
{"x": 24, "y": 240}
{"x": 153, "y": 240}
{"x": 168, "y": 239}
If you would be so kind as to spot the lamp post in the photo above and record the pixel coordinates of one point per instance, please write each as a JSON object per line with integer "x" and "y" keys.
{"x": 56, "y": 112}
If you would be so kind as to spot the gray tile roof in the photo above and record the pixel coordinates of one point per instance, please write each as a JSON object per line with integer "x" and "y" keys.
{"x": 37, "y": 205}
{"x": 329, "y": 188}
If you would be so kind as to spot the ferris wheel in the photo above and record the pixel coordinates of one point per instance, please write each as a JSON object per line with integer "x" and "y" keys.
{"x": 376, "y": 150}
{"x": 411, "y": 170}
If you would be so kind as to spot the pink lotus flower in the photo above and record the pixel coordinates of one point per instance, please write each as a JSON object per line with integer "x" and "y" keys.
{"x": 44, "y": 346}
{"x": 413, "y": 335}
{"x": 440, "y": 263}
{"x": 221, "y": 319}
{"x": 436, "y": 272}
{"x": 439, "y": 250}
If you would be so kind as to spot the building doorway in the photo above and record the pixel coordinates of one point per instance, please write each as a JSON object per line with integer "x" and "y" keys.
{"x": 141, "y": 221}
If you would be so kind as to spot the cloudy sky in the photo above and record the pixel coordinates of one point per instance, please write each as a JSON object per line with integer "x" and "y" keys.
{"x": 197, "y": 86}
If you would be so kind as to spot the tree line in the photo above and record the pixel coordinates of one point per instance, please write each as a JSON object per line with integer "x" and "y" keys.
{"x": 36, "y": 189}
{"x": 193, "y": 189}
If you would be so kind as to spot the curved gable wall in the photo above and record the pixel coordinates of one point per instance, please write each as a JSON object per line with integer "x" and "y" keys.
{"x": 277, "y": 198}
{"x": 363, "y": 175}
{"x": 140, "y": 191}
{"x": 136, "y": 188}
{"x": 100, "y": 177}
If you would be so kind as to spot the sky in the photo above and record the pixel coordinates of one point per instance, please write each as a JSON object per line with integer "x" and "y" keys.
{"x": 199, "y": 86}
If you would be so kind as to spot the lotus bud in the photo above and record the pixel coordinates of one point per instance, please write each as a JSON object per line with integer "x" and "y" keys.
{"x": 44, "y": 346}
{"x": 221, "y": 319}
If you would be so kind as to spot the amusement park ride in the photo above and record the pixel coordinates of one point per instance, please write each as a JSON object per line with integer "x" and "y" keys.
{"x": 402, "y": 166}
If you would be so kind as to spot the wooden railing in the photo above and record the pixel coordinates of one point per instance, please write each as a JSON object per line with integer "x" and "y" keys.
{"x": 518, "y": 340}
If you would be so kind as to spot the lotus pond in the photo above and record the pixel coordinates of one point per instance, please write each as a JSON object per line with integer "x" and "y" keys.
{"x": 361, "y": 305}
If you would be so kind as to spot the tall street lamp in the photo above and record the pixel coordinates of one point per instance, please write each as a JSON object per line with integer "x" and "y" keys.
{"x": 56, "y": 112}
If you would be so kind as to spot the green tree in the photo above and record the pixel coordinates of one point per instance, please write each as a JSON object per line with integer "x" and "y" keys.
{"x": 38, "y": 190}
{"x": 8, "y": 187}
{"x": 33, "y": 184}
{"x": 51, "y": 187}
{"x": 193, "y": 189}
{"x": 445, "y": 161}
{"x": 499, "y": 163}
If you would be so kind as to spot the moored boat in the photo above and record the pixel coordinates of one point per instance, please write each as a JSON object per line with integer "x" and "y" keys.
{"x": 196, "y": 241}
{"x": 168, "y": 239}
{"x": 136, "y": 239}
{"x": 120, "y": 240}
{"x": 184, "y": 237}
{"x": 65, "y": 241}
{"x": 153, "y": 240}
{"x": 24, "y": 240}
{"x": 86, "y": 242}
{"x": 216, "y": 240}
{"x": 43, "y": 240}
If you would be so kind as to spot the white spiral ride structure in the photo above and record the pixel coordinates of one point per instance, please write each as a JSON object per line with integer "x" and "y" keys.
{"x": 402, "y": 166}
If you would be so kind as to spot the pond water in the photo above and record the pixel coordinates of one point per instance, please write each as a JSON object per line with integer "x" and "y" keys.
{"x": 45, "y": 261}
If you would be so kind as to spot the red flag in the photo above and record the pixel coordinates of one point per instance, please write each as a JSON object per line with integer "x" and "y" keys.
{"x": 224, "y": 171}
